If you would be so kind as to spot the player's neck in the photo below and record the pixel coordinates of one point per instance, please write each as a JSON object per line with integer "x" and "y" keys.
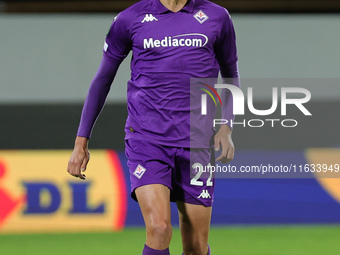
{"x": 174, "y": 5}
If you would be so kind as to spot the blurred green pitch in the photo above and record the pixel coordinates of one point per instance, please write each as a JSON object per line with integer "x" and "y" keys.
{"x": 259, "y": 240}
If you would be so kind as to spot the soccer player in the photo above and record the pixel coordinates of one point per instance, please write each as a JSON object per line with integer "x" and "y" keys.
{"x": 172, "y": 41}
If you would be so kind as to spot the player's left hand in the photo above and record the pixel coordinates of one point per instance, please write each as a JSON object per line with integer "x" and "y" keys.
{"x": 223, "y": 138}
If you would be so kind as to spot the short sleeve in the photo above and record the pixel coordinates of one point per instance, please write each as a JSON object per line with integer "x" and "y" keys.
{"x": 225, "y": 48}
{"x": 118, "y": 40}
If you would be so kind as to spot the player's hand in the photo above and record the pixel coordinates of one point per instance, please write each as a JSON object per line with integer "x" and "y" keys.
{"x": 223, "y": 138}
{"x": 79, "y": 158}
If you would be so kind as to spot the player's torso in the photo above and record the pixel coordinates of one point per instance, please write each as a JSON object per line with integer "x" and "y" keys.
{"x": 168, "y": 49}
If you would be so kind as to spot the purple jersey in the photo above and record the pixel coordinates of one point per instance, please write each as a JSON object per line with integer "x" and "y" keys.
{"x": 168, "y": 49}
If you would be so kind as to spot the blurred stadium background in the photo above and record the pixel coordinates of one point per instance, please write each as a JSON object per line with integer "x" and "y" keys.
{"x": 49, "y": 52}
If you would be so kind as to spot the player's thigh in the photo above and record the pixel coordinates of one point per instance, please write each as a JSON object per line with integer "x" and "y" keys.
{"x": 195, "y": 219}
{"x": 194, "y": 223}
{"x": 194, "y": 187}
{"x": 154, "y": 201}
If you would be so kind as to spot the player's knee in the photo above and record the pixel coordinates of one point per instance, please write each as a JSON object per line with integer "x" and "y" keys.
{"x": 160, "y": 229}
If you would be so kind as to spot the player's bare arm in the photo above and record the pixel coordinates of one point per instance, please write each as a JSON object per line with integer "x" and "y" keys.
{"x": 223, "y": 139}
{"x": 79, "y": 158}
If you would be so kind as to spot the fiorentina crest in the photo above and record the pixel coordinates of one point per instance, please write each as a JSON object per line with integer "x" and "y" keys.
{"x": 201, "y": 17}
{"x": 139, "y": 171}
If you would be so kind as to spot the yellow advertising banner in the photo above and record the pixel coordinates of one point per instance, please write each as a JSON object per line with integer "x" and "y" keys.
{"x": 38, "y": 195}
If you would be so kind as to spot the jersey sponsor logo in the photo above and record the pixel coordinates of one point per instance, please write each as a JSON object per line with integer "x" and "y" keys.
{"x": 205, "y": 194}
{"x": 185, "y": 40}
{"x": 139, "y": 171}
{"x": 201, "y": 17}
{"x": 149, "y": 18}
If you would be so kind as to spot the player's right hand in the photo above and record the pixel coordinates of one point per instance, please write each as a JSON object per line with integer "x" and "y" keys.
{"x": 79, "y": 158}
{"x": 223, "y": 138}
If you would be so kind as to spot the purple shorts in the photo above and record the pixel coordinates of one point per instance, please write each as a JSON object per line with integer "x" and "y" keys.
{"x": 184, "y": 171}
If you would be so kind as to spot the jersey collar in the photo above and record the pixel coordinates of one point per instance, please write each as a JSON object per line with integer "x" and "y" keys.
{"x": 160, "y": 8}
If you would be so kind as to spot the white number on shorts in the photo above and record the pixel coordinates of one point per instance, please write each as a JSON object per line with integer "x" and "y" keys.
{"x": 194, "y": 181}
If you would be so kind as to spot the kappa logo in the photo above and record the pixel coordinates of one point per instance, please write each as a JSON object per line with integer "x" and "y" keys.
{"x": 201, "y": 17}
{"x": 139, "y": 171}
{"x": 205, "y": 194}
{"x": 149, "y": 18}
